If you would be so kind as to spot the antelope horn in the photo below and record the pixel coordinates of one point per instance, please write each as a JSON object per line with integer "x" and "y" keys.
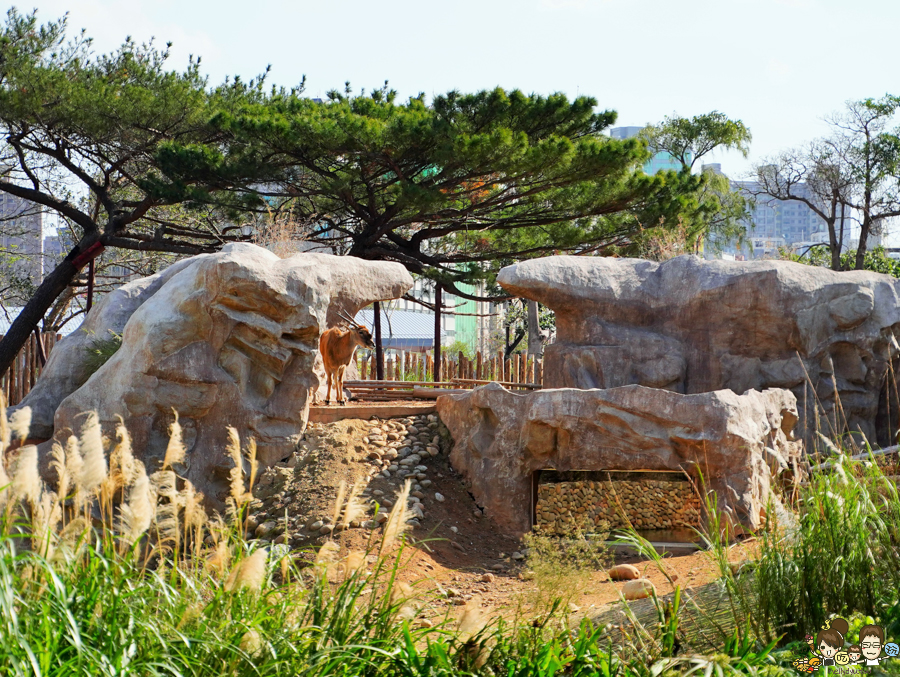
{"x": 344, "y": 315}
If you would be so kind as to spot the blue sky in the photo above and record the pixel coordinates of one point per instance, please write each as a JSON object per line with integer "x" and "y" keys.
{"x": 779, "y": 65}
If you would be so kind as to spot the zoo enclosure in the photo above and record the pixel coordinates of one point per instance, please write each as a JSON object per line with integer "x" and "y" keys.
{"x": 19, "y": 379}
{"x": 411, "y": 374}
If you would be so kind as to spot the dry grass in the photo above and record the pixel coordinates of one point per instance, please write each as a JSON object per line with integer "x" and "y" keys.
{"x": 280, "y": 233}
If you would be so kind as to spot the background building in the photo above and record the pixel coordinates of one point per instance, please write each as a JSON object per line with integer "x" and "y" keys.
{"x": 407, "y": 325}
{"x": 21, "y": 238}
{"x": 774, "y": 224}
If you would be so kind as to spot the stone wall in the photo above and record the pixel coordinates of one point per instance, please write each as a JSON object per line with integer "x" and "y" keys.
{"x": 596, "y": 506}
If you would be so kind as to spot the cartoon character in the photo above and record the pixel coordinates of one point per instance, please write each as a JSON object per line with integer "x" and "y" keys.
{"x": 830, "y": 640}
{"x": 854, "y": 654}
{"x": 871, "y": 640}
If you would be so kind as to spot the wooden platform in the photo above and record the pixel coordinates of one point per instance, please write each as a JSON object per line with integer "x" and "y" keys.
{"x": 329, "y": 413}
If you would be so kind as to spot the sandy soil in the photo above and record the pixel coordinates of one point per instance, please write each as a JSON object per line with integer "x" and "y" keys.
{"x": 454, "y": 547}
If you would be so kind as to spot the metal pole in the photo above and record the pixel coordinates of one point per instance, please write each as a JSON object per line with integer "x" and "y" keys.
{"x": 40, "y": 347}
{"x": 90, "y": 293}
{"x": 437, "y": 333}
{"x": 379, "y": 353}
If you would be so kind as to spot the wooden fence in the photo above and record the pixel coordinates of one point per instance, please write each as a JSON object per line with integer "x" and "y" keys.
{"x": 411, "y": 374}
{"x": 17, "y": 382}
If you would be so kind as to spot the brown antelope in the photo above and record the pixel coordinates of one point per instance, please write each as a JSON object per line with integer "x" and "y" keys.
{"x": 338, "y": 345}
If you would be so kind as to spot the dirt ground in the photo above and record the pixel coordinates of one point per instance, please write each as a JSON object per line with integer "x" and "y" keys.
{"x": 456, "y": 551}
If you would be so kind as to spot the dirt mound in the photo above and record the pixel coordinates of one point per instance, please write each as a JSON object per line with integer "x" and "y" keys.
{"x": 455, "y": 548}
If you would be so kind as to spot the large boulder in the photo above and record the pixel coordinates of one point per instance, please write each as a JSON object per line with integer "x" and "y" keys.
{"x": 692, "y": 326}
{"x": 225, "y": 339}
{"x": 734, "y": 445}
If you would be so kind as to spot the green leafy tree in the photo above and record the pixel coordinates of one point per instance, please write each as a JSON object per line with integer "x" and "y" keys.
{"x": 850, "y": 176}
{"x": 721, "y": 211}
{"x": 453, "y": 189}
{"x": 106, "y": 142}
{"x": 876, "y": 260}
{"x": 867, "y": 150}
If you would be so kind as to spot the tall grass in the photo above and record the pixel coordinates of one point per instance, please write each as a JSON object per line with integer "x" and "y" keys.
{"x": 116, "y": 572}
{"x": 835, "y": 552}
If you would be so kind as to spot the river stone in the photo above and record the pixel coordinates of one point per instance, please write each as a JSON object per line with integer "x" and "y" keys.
{"x": 692, "y": 326}
{"x": 638, "y": 589}
{"x": 623, "y": 572}
{"x": 224, "y": 339}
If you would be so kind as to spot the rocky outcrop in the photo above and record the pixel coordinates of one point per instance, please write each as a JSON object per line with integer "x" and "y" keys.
{"x": 225, "y": 339}
{"x": 738, "y": 443}
{"x": 692, "y": 326}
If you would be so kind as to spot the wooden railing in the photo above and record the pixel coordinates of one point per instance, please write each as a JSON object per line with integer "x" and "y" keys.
{"x": 17, "y": 382}
{"x": 411, "y": 374}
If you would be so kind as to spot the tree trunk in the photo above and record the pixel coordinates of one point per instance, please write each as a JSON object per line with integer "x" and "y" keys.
{"x": 864, "y": 227}
{"x": 534, "y": 329}
{"x": 379, "y": 352}
{"x": 860, "y": 261}
{"x": 841, "y": 241}
{"x": 48, "y": 291}
{"x": 437, "y": 333}
{"x": 834, "y": 245}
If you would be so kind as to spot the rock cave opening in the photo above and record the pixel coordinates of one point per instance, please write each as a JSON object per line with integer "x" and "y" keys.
{"x": 663, "y": 506}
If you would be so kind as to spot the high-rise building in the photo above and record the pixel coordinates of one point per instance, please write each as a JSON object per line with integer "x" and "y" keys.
{"x": 21, "y": 237}
{"x": 781, "y": 223}
{"x": 659, "y": 161}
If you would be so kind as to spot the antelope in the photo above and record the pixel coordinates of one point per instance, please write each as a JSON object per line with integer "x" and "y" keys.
{"x": 338, "y": 346}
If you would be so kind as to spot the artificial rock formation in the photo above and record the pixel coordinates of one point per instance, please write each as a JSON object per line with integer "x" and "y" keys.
{"x": 692, "y": 326}
{"x": 225, "y": 339}
{"x": 738, "y": 443}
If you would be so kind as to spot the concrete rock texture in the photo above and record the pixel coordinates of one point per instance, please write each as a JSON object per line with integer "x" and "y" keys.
{"x": 225, "y": 339}
{"x": 738, "y": 442}
{"x": 692, "y": 326}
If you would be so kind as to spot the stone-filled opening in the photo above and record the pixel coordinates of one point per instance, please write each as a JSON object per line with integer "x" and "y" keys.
{"x": 595, "y": 501}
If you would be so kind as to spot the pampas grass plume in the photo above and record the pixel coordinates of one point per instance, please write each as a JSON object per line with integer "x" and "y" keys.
{"x": 250, "y": 573}
{"x": 26, "y": 482}
{"x": 220, "y": 559}
{"x": 354, "y": 509}
{"x": 238, "y": 494}
{"x": 251, "y": 643}
{"x": 194, "y": 513}
{"x": 20, "y": 423}
{"x": 45, "y": 520}
{"x": 471, "y": 622}
{"x": 58, "y": 463}
{"x": 254, "y": 464}
{"x": 327, "y": 553}
{"x": 72, "y": 539}
{"x": 396, "y": 521}
{"x": 137, "y": 513}
{"x": 93, "y": 470}
{"x": 123, "y": 455}
{"x": 5, "y": 433}
{"x": 353, "y": 562}
{"x": 339, "y": 502}
{"x": 175, "y": 450}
